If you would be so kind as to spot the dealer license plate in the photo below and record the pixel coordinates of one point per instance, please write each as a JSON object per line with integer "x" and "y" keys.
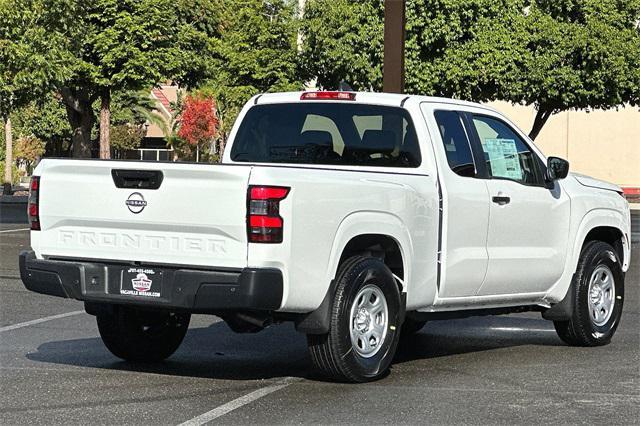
{"x": 143, "y": 282}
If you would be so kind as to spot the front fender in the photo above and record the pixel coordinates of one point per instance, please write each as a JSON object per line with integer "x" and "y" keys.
{"x": 595, "y": 218}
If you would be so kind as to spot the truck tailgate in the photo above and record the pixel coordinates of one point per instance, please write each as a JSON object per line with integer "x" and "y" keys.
{"x": 197, "y": 216}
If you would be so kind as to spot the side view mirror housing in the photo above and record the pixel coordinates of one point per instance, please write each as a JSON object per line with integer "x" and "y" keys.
{"x": 557, "y": 168}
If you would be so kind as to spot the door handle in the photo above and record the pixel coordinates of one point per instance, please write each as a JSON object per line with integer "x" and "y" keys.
{"x": 501, "y": 199}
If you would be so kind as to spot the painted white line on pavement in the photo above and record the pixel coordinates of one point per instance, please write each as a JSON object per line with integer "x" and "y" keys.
{"x": 39, "y": 320}
{"x": 14, "y": 230}
{"x": 232, "y": 405}
{"x": 521, "y": 329}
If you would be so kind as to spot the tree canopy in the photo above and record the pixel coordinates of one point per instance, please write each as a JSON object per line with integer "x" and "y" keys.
{"x": 555, "y": 55}
{"x": 116, "y": 45}
{"x": 253, "y": 50}
{"x": 29, "y": 62}
{"x": 30, "y": 57}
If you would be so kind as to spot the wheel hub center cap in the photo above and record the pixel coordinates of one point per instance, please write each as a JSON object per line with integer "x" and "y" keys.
{"x": 596, "y": 295}
{"x": 362, "y": 321}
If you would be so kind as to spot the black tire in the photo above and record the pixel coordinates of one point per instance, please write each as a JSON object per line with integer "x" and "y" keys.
{"x": 333, "y": 353}
{"x": 142, "y": 336}
{"x": 581, "y": 329}
{"x": 410, "y": 327}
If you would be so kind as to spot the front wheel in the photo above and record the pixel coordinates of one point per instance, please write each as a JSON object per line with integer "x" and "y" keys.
{"x": 364, "y": 326}
{"x": 598, "y": 290}
{"x": 142, "y": 336}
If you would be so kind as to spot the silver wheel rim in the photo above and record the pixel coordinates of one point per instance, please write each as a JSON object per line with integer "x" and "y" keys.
{"x": 602, "y": 295}
{"x": 369, "y": 321}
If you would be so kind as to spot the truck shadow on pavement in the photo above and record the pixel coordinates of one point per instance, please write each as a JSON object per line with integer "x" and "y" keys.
{"x": 279, "y": 351}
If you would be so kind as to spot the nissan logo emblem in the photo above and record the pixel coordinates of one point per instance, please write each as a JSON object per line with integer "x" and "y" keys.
{"x": 136, "y": 203}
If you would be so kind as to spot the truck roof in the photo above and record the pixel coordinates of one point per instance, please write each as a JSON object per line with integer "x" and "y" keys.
{"x": 391, "y": 99}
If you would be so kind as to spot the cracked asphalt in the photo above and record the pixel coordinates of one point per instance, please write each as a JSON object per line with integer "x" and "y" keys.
{"x": 482, "y": 370}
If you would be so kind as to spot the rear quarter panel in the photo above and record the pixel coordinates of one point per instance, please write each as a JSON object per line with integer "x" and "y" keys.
{"x": 326, "y": 208}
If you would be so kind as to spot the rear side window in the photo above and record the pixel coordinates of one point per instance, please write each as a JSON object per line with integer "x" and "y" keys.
{"x": 456, "y": 143}
{"x": 327, "y": 133}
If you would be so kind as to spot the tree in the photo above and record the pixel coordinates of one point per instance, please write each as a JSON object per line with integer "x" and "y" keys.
{"x": 132, "y": 111}
{"x": 553, "y": 54}
{"x": 250, "y": 48}
{"x": 30, "y": 60}
{"x": 579, "y": 55}
{"x": 198, "y": 122}
{"x": 46, "y": 119}
{"x": 117, "y": 45}
{"x": 557, "y": 56}
{"x": 126, "y": 137}
{"x": 343, "y": 40}
{"x": 28, "y": 150}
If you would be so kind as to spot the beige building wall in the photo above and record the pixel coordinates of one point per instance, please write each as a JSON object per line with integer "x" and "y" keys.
{"x": 602, "y": 144}
{"x": 163, "y": 95}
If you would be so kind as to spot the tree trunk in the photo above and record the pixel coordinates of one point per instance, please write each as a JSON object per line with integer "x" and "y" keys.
{"x": 81, "y": 118}
{"x": 8, "y": 158}
{"x": 542, "y": 115}
{"x": 105, "y": 123}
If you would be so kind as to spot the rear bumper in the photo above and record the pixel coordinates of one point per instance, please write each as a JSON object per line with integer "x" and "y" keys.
{"x": 185, "y": 289}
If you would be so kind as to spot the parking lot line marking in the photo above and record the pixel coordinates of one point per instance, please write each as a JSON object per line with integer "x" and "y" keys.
{"x": 39, "y": 320}
{"x": 14, "y": 230}
{"x": 232, "y": 405}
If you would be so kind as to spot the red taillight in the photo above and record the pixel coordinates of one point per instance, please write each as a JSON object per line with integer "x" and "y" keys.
{"x": 338, "y": 96}
{"x": 264, "y": 224}
{"x": 33, "y": 210}
{"x": 268, "y": 192}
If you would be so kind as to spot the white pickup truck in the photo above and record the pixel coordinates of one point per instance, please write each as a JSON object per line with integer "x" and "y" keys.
{"x": 358, "y": 216}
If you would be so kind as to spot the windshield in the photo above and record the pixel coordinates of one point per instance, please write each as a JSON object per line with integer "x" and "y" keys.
{"x": 327, "y": 133}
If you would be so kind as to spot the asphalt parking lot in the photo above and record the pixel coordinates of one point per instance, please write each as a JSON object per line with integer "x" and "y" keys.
{"x": 487, "y": 370}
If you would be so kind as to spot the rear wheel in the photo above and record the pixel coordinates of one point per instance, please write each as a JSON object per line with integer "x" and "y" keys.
{"x": 364, "y": 327}
{"x": 143, "y": 336}
{"x": 598, "y": 290}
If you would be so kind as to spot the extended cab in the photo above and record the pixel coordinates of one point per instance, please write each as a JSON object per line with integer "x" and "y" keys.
{"x": 358, "y": 216}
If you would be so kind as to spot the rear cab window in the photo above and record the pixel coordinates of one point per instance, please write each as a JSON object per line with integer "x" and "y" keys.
{"x": 348, "y": 134}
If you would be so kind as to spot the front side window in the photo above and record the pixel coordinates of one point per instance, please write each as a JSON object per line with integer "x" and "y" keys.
{"x": 507, "y": 156}
{"x": 456, "y": 143}
{"x": 327, "y": 133}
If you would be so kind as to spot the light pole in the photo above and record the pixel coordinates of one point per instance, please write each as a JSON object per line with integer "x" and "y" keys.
{"x": 394, "y": 35}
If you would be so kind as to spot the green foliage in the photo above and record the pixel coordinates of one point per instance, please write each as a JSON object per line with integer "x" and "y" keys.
{"x": 553, "y": 54}
{"x": 251, "y": 48}
{"x": 136, "y": 108}
{"x": 440, "y": 60}
{"x": 45, "y": 119}
{"x": 31, "y": 58}
{"x": 125, "y": 44}
{"x": 88, "y": 50}
{"x": 587, "y": 57}
{"x": 126, "y": 136}
{"x": 28, "y": 149}
{"x": 343, "y": 40}
{"x": 15, "y": 175}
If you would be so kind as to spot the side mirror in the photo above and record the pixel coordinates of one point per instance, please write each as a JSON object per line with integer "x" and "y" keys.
{"x": 557, "y": 168}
